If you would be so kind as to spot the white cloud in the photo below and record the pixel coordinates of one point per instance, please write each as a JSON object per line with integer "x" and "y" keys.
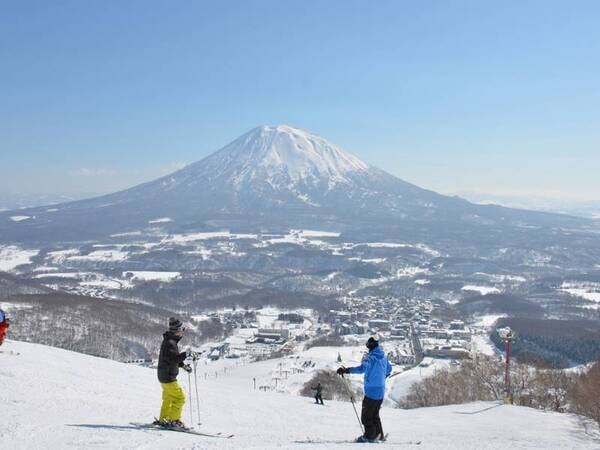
{"x": 172, "y": 167}
{"x": 92, "y": 172}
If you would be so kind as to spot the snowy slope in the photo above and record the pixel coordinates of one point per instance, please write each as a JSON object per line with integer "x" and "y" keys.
{"x": 278, "y": 154}
{"x": 55, "y": 399}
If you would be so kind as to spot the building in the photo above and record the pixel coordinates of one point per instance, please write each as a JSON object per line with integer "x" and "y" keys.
{"x": 380, "y": 324}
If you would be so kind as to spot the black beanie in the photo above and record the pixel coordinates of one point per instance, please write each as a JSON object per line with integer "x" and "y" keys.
{"x": 372, "y": 343}
{"x": 175, "y": 324}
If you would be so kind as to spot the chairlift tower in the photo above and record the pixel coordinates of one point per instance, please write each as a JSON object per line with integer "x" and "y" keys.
{"x": 508, "y": 336}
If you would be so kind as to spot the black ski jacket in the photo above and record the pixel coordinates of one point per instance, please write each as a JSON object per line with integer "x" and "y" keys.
{"x": 169, "y": 359}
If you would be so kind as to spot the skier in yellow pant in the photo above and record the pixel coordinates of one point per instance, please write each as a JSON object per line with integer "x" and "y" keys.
{"x": 173, "y": 400}
{"x": 169, "y": 362}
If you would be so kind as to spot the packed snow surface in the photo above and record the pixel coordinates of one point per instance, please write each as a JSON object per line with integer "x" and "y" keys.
{"x": 54, "y": 399}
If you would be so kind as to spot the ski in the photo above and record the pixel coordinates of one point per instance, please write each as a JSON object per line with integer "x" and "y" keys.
{"x": 353, "y": 441}
{"x": 181, "y": 430}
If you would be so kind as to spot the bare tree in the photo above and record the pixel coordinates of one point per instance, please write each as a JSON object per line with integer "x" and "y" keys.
{"x": 585, "y": 395}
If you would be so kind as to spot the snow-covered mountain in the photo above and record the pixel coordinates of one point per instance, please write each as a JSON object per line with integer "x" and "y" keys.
{"x": 54, "y": 398}
{"x": 281, "y": 156}
{"x": 272, "y": 176}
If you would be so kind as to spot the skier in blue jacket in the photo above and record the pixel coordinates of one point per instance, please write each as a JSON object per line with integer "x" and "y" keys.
{"x": 376, "y": 368}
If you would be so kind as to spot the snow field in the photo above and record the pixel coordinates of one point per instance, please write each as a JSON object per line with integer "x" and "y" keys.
{"x": 152, "y": 276}
{"x": 12, "y": 257}
{"x": 57, "y": 399}
{"x": 483, "y": 290}
{"x": 585, "y": 290}
{"x": 19, "y": 218}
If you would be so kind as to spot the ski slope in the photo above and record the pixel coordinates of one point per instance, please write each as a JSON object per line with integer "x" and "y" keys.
{"x": 56, "y": 399}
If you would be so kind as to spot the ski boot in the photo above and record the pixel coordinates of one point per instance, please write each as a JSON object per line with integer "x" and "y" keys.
{"x": 161, "y": 422}
{"x": 363, "y": 439}
{"x": 178, "y": 424}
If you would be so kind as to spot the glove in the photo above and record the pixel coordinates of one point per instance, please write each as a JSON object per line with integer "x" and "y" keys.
{"x": 187, "y": 368}
{"x": 342, "y": 370}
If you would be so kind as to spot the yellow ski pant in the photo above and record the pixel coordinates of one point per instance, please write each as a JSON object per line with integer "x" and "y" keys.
{"x": 173, "y": 400}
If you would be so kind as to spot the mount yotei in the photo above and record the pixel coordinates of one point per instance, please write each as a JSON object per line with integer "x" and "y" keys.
{"x": 272, "y": 176}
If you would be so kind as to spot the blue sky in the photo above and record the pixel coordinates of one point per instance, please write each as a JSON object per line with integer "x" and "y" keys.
{"x": 486, "y": 97}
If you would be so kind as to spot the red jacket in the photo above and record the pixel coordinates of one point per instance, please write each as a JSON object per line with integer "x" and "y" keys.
{"x": 3, "y": 328}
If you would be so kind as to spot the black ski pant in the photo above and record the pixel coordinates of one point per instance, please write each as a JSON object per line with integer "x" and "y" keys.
{"x": 370, "y": 418}
{"x": 318, "y": 398}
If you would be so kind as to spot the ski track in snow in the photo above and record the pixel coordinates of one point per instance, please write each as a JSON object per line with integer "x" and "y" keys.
{"x": 55, "y": 399}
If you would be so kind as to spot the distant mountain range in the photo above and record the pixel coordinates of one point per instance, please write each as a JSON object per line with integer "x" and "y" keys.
{"x": 275, "y": 177}
{"x": 12, "y": 200}
{"x": 587, "y": 209}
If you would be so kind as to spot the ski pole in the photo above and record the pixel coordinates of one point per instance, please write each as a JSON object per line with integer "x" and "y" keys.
{"x": 190, "y": 395}
{"x": 195, "y": 362}
{"x": 346, "y": 384}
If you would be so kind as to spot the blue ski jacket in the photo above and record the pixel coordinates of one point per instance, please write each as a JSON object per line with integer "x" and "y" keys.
{"x": 376, "y": 368}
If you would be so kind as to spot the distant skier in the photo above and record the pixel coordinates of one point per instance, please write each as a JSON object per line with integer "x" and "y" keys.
{"x": 169, "y": 362}
{"x": 376, "y": 368}
{"x": 319, "y": 394}
{"x": 3, "y": 326}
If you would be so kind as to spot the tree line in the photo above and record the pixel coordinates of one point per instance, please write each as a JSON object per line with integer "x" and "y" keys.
{"x": 482, "y": 378}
